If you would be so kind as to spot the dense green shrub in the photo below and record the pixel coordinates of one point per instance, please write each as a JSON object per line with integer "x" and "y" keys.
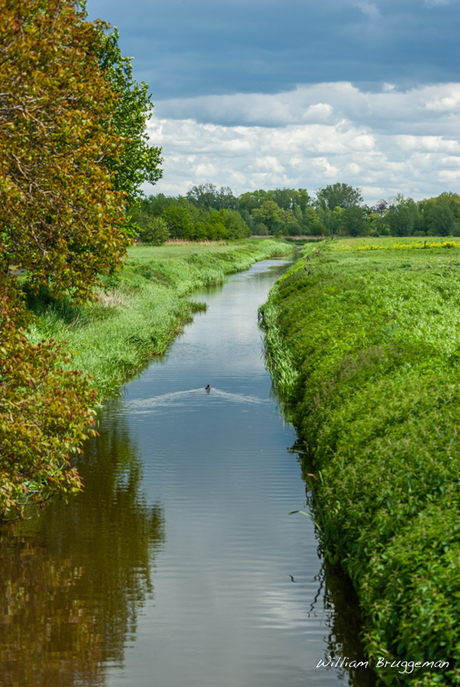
{"x": 365, "y": 349}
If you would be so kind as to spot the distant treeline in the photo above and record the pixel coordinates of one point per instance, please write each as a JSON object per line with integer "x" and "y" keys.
{"x": 208, "y": 212}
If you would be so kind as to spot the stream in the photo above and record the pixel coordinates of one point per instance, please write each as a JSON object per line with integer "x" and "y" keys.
{"x": 179, "y": 565}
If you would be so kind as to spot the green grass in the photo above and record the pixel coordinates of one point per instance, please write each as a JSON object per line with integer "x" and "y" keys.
{"x": 158, "y": 253}
{"x": 365, "y": 347}
{"x": 143, "y": 307}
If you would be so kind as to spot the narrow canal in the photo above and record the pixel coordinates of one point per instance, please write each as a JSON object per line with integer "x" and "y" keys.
{"x": 179, "y": 565}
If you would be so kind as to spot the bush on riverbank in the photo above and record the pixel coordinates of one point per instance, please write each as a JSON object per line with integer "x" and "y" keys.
{"x": 365, "y": 348}
{"x": 143, "y": 308}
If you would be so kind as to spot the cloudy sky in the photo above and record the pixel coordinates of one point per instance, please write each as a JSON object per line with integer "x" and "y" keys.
{"x": 301, "y": 93}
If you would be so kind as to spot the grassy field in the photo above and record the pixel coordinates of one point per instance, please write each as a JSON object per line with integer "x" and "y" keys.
{"x": 363, "y": 340}
{"x": 143, "y": 307}
{"x": 182, "y": 249}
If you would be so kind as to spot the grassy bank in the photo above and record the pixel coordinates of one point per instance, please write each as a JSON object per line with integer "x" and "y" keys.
{"x": 143, "y": 307}
{"x": 364, "y": 344}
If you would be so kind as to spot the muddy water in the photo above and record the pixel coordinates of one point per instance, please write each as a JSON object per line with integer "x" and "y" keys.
{"x": 179, "y": 565}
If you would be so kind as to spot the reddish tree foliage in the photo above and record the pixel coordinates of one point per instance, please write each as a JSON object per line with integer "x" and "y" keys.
{"x": 45, "y": 412}
{"x": 60, "y": 220}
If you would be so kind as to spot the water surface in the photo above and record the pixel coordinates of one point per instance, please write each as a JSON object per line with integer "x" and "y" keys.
{"x": 179, "y": 565}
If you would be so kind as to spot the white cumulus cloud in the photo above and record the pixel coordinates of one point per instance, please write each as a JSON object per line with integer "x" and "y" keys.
{"x": 385, "y": 142}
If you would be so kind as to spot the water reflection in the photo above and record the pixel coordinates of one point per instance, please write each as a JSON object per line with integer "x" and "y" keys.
{"x": 337, "y": 596}
{"x": 344, "y": 641}
{"x": 72, "y": 581}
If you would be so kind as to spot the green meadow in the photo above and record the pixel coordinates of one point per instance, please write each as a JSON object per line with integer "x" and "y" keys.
{"x": 143, "y": 307}
{"x": 363, "y": 341}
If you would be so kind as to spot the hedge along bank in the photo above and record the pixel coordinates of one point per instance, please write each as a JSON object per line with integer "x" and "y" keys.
{"x": 364, "y": 347}
{"x": 143, "y": 308}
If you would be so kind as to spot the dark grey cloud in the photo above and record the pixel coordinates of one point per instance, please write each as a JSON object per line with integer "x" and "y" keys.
{"x": 189, "y": 48}
{"x": 427, "y": 110}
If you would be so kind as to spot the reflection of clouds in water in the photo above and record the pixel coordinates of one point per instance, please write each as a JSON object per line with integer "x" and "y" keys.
{"x": 262, "y": 267}
{"x": 179, "y": 399}
{"x": 286, "y": 608}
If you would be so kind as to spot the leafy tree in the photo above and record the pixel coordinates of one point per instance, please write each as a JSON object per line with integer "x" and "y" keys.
{"x": 353, "y": 221}
{"x": 440, "y": 221}
{"x": 200, "y": 231}
{"x": 62, "y": 200}
{"x": 402, "y": 216}
{"x": 235, "y": 225}
{"x": 376, "y": 225}
{"x": 261, "y": 229}
{"x": 282, "y": 197}
{"x": 154, "y": 231}
{"x": 157, "y": 204}
{"x": 338, "y": 195}
{"x": 198, "y": 214}
{"x": 381, "y": 207}
{"x": 139, "y": 162}
{"x": 453, "y": 201}
{"x": 61, "y": 219}
{"x": 248, "y": 219}
{"x": 178, "y": 222}
{"x": 441, "y": 215}
{"x": 203, "y": 195}
{"x": 297, "y": 212}
{"x": 45, "y": 412}
{"x": 289, "y": 198}
{"x": 327, "y": 217}
{"x": 253, "y": 199}
{"x": 287, "y": 216}
{"x": 216, "y": 229}
{"x": 293, "y": 206}
{"x": 319, "y": 229}
{"x": 333, "y": 219}
{"x": 293, "y": 229}
{"x": 208, "y": 195}
{"x": 226, "y": 200}
{"x": 310, "y": 218}
{"x": 270, "y": 215}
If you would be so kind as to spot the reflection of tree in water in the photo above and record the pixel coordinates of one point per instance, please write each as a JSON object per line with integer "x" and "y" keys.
{"x": 345, "y": 624}
{"x": 342, "y": 606}
{"x": 73, "y": 580}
